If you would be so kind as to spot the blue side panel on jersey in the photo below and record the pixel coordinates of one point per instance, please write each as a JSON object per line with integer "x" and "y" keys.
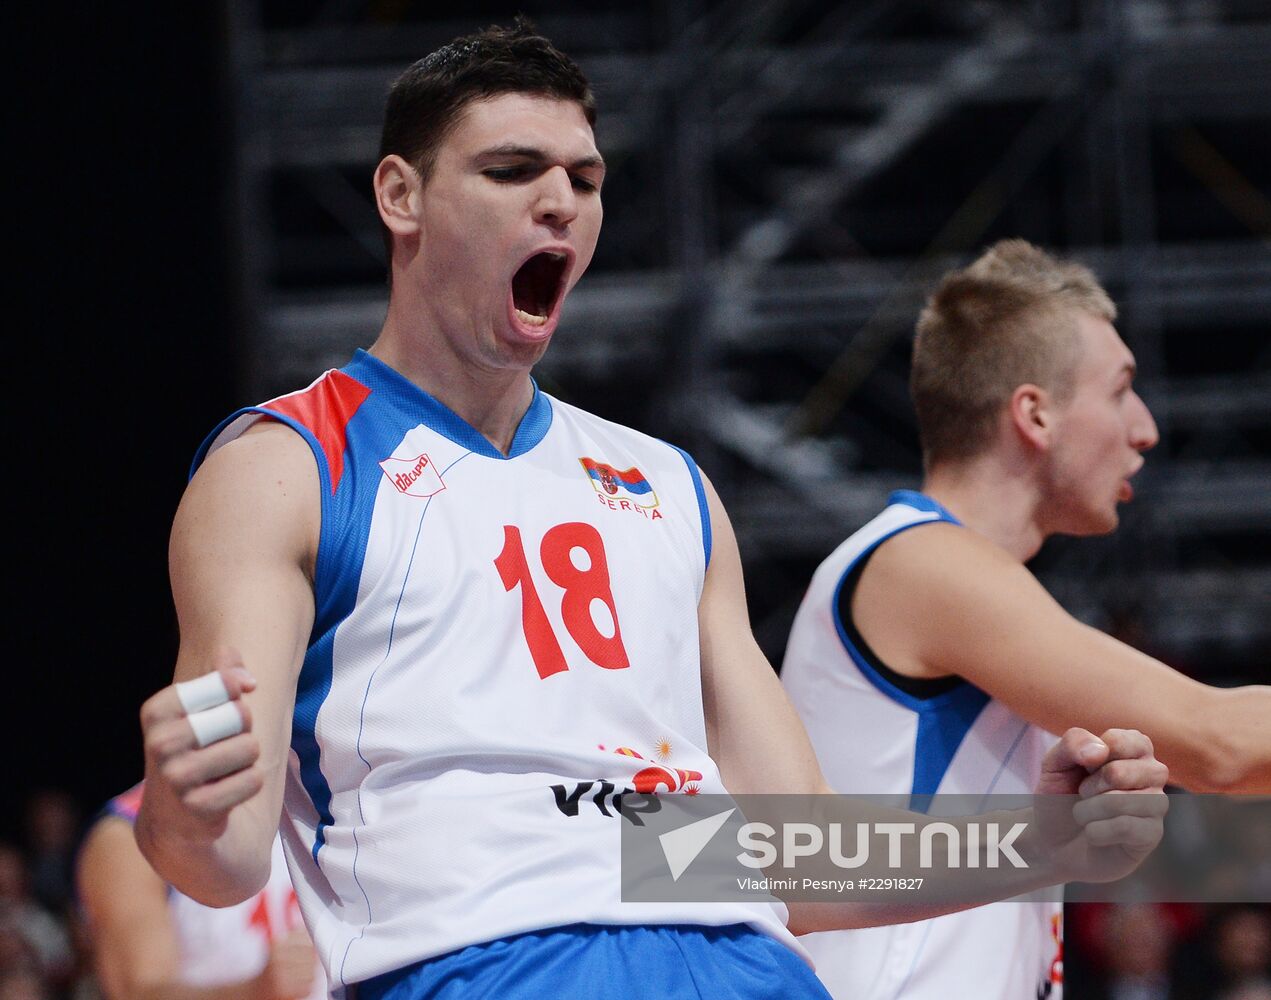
{"x": 375, "y": 430}
{"x": 311, "y": 691}
{"x": 396, "y": 389}
{"x": 941, "y": 731}
{"x": 944, "y": 720}
{"x": 702, "y": 508}
{"x": 619, "y": 962}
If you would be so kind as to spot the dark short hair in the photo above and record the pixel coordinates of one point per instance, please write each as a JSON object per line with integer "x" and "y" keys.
{"x": 1005, "y": 320}
{"x": 427, "y": 101}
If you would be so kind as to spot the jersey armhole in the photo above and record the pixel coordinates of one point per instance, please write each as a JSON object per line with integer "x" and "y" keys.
{"x": 918, "y": 687}
{"x": 947, "y": 707}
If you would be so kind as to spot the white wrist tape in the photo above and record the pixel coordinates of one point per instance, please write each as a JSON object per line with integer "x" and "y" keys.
{"x": 203, "y": 692}
{"x": 216, "y": 723}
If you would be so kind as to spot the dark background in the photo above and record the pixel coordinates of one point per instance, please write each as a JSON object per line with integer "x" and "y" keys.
{"x": 125, "y": 362}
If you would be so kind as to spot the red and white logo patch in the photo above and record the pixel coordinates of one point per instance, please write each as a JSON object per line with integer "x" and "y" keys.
{"x": 415, "y": 477}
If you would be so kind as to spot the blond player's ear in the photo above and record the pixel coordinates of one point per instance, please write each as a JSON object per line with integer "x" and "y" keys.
{"x": 1031, "y": 415}
{"x": 397, "y": 191}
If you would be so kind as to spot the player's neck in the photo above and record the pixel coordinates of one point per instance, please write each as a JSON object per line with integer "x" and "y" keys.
{"x": 492, "y": 402}
{"x": 991, "y": 501}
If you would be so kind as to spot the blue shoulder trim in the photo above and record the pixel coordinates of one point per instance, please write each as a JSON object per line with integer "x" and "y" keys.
{"x": 702, "y": 508}
{"x": 922, "y": 502}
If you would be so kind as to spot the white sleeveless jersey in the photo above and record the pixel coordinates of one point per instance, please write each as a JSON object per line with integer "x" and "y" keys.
{"x": 221, "y": 945}
{"x": 871, "y": 737}
{"x": 502, "y": 646}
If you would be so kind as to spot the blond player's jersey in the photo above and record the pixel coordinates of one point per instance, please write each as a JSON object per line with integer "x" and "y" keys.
{"x": 876, "y": 733}
{"x": 217, "y": 946}
{"x": 504, "y": 646}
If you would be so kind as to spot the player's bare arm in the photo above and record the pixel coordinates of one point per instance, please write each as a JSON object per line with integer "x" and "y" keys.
{"x": 753, "y": 732}
{"x": 135, "y": 947}
{"x": 970, "y": 609}
{"x": 241, "y": 561}
{"x": 760, "y": 746}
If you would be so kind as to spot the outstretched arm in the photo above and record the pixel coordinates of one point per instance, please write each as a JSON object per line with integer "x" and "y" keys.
{"x": 241, "y": 562}
{"x": 943, "y": 600}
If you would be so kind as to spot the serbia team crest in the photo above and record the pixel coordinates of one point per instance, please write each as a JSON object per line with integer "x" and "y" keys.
{"x": 620, "y": 484}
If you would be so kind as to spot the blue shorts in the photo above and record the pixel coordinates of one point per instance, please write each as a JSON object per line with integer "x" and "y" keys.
{"x": 602, "y": 962}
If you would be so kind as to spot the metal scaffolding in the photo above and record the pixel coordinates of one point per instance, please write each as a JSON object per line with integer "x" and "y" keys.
{"x": 786, "y": 182}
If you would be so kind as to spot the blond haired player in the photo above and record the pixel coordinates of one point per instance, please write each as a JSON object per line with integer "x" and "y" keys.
{"x": 925, "y": 657}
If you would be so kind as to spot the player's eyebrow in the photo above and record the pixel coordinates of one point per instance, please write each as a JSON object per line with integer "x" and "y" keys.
{"x": 532, "y": 153}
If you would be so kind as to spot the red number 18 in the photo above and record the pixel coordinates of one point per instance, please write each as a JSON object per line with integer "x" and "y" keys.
{"x": 581, "y": 586}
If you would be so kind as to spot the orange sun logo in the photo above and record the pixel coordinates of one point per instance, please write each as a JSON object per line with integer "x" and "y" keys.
{"x": 663, "y": 747}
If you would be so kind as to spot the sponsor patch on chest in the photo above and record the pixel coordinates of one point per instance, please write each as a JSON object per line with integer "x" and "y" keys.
{"x": 416, "y": 477}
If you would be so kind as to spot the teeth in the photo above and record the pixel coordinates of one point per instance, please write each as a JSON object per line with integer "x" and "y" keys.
{"x": 554, "y": 255}
{"x": 530, "y": 318}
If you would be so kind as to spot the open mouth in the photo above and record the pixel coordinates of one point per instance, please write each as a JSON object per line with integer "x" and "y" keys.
{"x": 537, "y": 287}
{"x": 1126, "y": 493}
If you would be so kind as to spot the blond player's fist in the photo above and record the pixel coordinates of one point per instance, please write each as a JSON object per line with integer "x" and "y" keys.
{"x": 1101, "y": 803}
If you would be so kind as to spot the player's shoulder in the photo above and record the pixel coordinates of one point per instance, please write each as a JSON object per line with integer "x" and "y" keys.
{"x": 939, "y": 556}
{"x": 125, "y": 805}
{"x": 596, "y": 424}
{"x": 572, "y": 413}
{"x": 313, "y": 420}
{"x": 262, "y": 489}
{"x": 110, "y": 869}
{"x": 109, "y": 835}
{"x": 268, "y": 449}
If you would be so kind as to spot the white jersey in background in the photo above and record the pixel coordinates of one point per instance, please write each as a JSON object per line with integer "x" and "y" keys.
{"x": 231, "y": 944}
{"x": 876, "y": 732}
